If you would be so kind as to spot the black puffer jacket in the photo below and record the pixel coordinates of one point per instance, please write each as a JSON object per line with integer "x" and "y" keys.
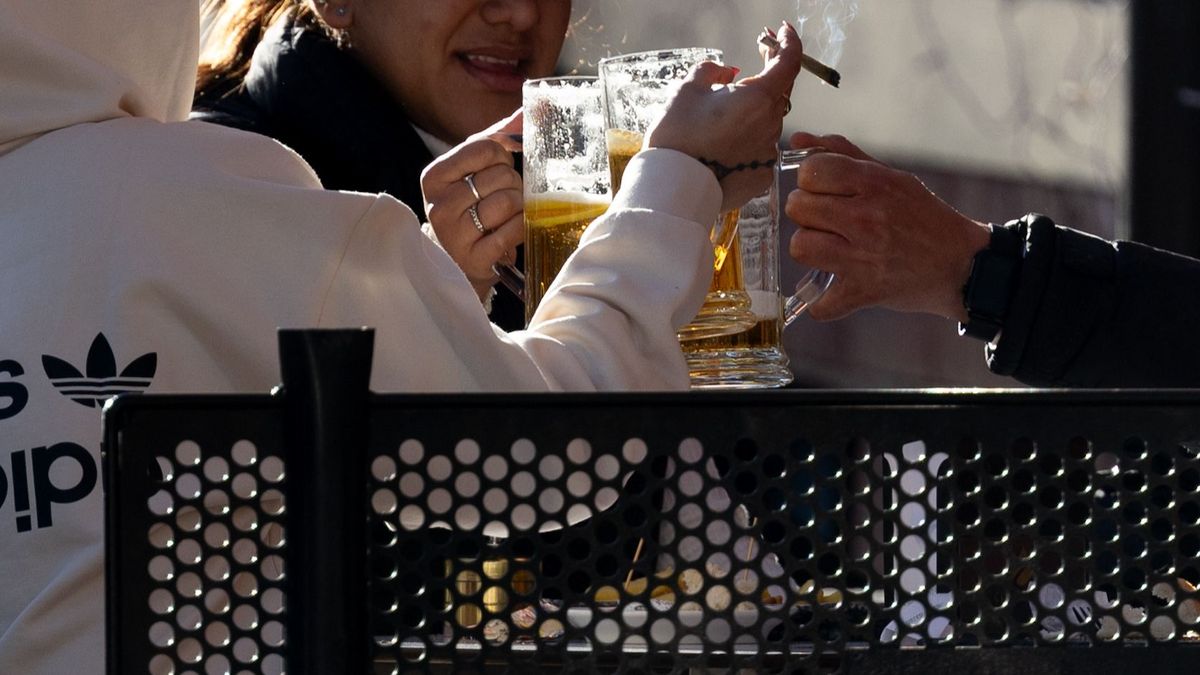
{"x": 1094, "y": 313}
{"x": 316, "y": 98}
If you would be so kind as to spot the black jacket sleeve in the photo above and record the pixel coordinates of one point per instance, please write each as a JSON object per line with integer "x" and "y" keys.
{"x": 1093, "y": 313}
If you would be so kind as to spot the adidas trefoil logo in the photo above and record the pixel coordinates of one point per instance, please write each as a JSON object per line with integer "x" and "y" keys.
{"x": 102, "y": 380}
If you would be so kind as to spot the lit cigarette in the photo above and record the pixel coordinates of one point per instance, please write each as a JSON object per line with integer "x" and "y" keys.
{"x": 827, "y": 74}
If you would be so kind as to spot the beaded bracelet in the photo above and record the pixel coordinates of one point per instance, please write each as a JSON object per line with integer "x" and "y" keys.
{"x": 721, "y": 171}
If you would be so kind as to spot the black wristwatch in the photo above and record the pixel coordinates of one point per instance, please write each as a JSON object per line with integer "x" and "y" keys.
{"x": 994, "y": 274}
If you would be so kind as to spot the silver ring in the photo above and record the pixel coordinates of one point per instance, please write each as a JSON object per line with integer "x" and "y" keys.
{"x": 470, "y": 179}
{"x": 474, "y": 212}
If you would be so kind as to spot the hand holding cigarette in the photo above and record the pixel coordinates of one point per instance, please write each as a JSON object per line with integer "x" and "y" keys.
{"x": 731, "y": 126}
{"x": 828, "y": 75}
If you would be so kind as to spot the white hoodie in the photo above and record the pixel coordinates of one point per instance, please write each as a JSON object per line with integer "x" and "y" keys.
{"x": 141, "y": 252}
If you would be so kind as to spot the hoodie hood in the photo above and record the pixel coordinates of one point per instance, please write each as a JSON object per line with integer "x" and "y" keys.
{"x": 67, "y": 62}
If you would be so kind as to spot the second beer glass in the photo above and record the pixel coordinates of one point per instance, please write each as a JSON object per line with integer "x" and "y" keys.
{"x": 756, "y": 358}
{"x": 637, "y": 88}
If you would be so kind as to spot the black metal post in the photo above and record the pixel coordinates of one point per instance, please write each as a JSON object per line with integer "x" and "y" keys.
{"x": 326, "y": 377}
{"x": 1165, "y": 124}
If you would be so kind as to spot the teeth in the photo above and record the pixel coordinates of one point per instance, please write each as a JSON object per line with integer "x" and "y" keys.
{"x": 511, "y": 63}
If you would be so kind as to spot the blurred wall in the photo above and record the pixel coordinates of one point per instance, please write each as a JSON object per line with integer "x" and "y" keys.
{"x": 1033, "y": 88}
{"x": 1001, "y": 106}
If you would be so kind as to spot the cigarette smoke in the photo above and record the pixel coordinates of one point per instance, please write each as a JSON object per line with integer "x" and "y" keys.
{"x": 827, "y": 35}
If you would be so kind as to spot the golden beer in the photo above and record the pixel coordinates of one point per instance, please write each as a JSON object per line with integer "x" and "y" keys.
{"x": 722, "y": 250}
{"x": 622, "y": 146}
{"x": 554, "y": 222}
{"x": 726, "y": 308}
{"x": 750, "y": 359}
{"x": 724, "y": 239}
{"x": 765, "y": 334}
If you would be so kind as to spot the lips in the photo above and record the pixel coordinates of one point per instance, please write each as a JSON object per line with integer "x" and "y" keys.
{"x": 498, "y": 72}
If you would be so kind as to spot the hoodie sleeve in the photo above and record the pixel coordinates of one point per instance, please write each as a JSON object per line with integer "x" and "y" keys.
{"x": 609, "y": 321}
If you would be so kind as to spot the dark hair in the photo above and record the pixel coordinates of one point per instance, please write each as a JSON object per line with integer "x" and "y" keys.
{"x": 235, "y": 28}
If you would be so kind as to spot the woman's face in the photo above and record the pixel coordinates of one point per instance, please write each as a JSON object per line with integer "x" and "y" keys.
{"x": 457, "y": 65}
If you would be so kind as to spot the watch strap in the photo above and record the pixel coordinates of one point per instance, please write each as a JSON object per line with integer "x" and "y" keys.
{"x": 995, "y": 271}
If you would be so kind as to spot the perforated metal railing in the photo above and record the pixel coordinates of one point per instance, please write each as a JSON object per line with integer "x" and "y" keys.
{"x": 780, "y": 532}
{"x": 196, "y": 545}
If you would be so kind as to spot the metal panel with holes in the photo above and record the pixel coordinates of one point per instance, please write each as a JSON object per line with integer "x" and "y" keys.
{"x": 765, "y": 532}
{"x": 195, "y": 536}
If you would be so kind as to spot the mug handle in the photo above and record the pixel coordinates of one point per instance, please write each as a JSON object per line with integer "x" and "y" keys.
{"x": 512, "y": 278}
{"x": 815, "y": 282}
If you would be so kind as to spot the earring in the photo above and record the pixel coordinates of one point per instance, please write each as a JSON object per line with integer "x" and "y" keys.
{"x": 340, "y": 11}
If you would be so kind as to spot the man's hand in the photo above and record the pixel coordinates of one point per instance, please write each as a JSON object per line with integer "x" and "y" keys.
{"x": 887, "y": 239}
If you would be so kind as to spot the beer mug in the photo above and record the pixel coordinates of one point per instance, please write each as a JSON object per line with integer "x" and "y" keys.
{"x": 637, "y": 88}
{"x": 755, "y": 357}
{"x": 565, "y": 173}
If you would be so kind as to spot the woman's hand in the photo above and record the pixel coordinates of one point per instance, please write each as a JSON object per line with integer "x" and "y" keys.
{"x": 734, "y": 127}
{"x": 480, "y": 240}
{"x": 887, "y": 239}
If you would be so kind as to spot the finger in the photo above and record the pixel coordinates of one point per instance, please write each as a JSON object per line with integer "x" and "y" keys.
{"x": 829, "y": 252}
{"x": 821, "y": 249}
{"x": 498, "y": 207}
{"x": 497, "y": 245}
{"x": 851, "y": 218}
{"x": 781, "y": 70}
{"x": 837, "y": 303}
{"x": 449, "y": 205}
{"x": 469, "y": 158}
{"x": 709, "y": 74}
{"x": 506, "y": 132}
{"x": 832, "y": 143}
{"x": 827, "y": 173}
{"x": 788, "y": 36}
{"x": 496, "y": 178}
{"x": 509, "y": 235}
{"x": 493, "y": 179}
{"x": 791, "y": 34}
{"x": 767, "y": 51}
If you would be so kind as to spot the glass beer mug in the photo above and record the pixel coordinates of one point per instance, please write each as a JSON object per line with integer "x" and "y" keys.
{"x": 565, "y": 174}
{"x": 637, "y": 88}
{"x": 755, "y": 357}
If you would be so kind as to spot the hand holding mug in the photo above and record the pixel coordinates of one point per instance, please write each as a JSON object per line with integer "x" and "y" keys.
{"x": 887, "y": 239}
{"x": 474, "y": 202}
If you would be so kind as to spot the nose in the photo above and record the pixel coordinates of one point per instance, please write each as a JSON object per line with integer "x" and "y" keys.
{"x": 522, "y": 15}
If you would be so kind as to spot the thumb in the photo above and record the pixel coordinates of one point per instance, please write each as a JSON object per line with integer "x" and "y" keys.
{"x": 832, "y": 143}
{"x": 784, "y": 64}
{"x": 710, "y": 74}
{"x": 506, "y": 132}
